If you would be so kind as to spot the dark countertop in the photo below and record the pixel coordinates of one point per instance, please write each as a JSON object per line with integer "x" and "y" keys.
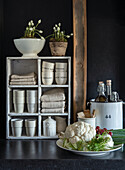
{"x": 44, "y": 154}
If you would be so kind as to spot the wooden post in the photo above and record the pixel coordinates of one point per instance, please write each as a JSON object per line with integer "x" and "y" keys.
{"x": 80, "y": 56}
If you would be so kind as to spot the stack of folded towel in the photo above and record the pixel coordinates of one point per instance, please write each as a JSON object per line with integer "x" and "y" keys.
{"x": 53, "y": 101}
{"x": 25, "y": 79}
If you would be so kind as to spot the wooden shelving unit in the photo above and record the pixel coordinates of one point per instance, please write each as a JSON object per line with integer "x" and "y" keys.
{"x": 21, "y": 65}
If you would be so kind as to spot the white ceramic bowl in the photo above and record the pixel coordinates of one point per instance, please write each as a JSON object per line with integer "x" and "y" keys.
{"x": 61, "y": 74}
{"x": 32, "y": 107}
{"x": 61, "y": 67}
{"x": 30, "y": 131}
{"x": 61, "y": 81}
{"x": 47, "y": 65}
{"x": 16, "y": 122}
{"x": 47, "y": 77}
{"x": 30, "y": 122}
{"x": 19, "y": 107}
{"x": 29, "y": 47}
{"x": 61, "y": 77}
{"x": 17, "y": 131}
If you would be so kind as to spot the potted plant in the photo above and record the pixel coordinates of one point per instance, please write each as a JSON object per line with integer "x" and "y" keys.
{"x": 29, "y": 45}
{"x": 58, "y": 41}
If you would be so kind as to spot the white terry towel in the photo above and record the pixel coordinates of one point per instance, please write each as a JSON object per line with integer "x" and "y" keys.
{"x": 59, "y": 104}
{"x": 54, "y": 110}
{"x": 24, "y": 76}
{"x": 56, "y": 94}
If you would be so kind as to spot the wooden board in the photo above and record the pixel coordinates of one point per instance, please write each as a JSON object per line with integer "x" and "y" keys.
{"x": 80, "y": 56}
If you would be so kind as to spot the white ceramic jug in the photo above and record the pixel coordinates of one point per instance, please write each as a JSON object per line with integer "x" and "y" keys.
{"x": 49, "y": 127}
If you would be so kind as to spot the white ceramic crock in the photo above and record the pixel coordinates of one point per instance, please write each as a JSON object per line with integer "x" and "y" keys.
{"x": 108, "y": 115}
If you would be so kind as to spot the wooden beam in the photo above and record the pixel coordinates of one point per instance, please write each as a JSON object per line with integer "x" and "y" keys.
{"x": 80, "y": 56}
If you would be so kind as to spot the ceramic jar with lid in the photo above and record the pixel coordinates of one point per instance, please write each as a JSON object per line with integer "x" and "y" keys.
{"x": 49, "y": 127}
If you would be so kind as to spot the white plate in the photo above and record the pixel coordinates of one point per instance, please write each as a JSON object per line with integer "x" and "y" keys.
{"x": 87, "y": 153}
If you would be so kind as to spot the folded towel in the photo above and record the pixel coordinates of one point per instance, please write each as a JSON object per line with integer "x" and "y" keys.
{"x": 56, "y": 94}
{"x": 21, "y": 79}
{"x": 55, "y": 110}
{"x": 23, "y": 83}
{"x": 29, "y": 75}
{"x": 51, "y": 105}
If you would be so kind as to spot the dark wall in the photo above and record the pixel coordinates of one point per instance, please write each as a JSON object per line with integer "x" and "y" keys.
{"x": 106, "y": 45}
{"x": 106, "y": 38}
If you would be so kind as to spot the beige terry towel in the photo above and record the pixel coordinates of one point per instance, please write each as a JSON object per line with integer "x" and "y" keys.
{"x": 23, "y": 83}
{"x": 56, "y": 94}
{"x": 51, "y": 105}
{"x": 54, "y": 110}
{"x": 20, "y": 79}
{"x": 24, "y": 76}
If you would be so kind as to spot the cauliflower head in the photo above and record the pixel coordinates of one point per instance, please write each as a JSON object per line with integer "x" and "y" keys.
{"x": 79, "y": 131}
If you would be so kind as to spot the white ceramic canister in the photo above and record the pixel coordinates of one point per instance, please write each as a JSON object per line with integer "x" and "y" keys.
{"x": 108, "y": 115}
{"x": 49, "y": 127}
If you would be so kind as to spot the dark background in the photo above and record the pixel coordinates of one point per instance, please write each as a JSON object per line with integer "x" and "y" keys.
{"x": 106, "y": 39}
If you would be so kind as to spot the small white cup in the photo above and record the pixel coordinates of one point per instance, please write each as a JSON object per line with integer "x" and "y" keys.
{"x": 61, "y": 67}
{"x": 90, "y": 121}
{"x": 30, "y": 131}
{"x": 17, "y": 131}
{"x": 17, "y": 125}
{"x": 16, "y": 122}
{"x": 18, "y": 96}
{"x": 32, "y": 107}
{"x": 19, "y": 107}
{"x": 48, "y": 65}
{"x": 31, "y": 96}
{"x": 30, "y": 122}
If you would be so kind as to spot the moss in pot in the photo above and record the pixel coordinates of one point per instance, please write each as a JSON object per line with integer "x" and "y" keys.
{"x": 29, "y": 45}
{"x": 58, "y": 42}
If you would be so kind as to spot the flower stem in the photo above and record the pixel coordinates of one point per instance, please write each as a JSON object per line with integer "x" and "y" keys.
{"x": 49, "y": 36}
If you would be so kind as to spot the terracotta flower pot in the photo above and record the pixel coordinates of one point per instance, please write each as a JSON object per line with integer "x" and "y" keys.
{"x": 58, "y": 48}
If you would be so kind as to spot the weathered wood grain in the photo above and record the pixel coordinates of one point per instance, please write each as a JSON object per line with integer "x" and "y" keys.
{"x": 80, "y": 56}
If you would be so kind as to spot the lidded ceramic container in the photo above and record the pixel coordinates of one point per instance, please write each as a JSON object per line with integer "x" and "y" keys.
{"x": 49, "y": 127}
